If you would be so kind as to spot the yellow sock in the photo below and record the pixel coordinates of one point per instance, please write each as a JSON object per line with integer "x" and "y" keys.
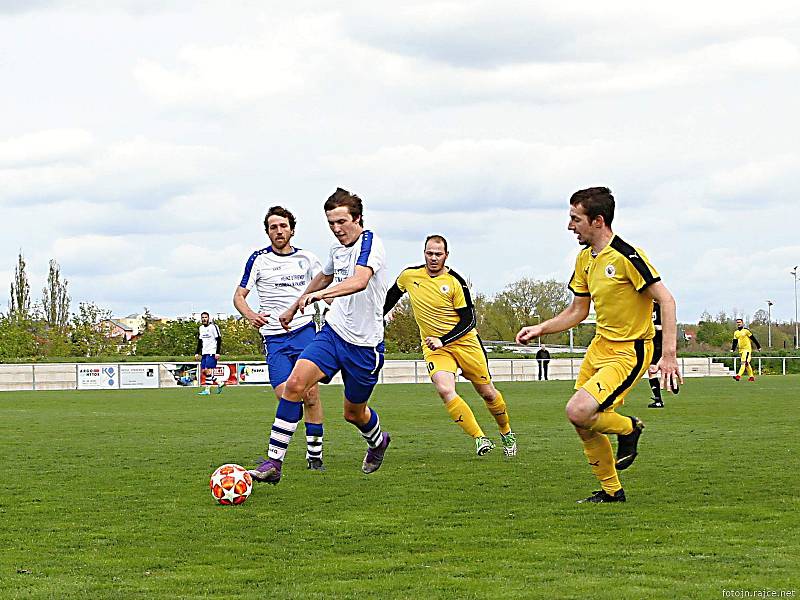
{"x": 611, "y": 422}
{"x": 749, "y": 370}
{"x": 461, "y": 413}
{"x": 498, "y": 409}
{"x": 742, "y": 368}
{"x": 601, "y": 459}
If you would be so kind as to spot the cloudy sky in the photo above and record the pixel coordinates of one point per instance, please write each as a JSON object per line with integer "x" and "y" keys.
{"x": 142, "y": 142}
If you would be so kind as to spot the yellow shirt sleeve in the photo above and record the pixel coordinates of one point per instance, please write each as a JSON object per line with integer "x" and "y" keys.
{"x": 578, "y": 284}
{"x": 640, "y": 271}
{"x": 459, "y": 300}
{"x": 401, "y": 280}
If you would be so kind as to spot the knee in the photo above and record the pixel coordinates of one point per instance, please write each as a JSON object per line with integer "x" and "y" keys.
{"x": 355, "y": 413}
{"x": 488, "y": 395}
{"x": 295, "y": 386}
{"x": 578, "y": 415}
{"x": 446, "y": 392}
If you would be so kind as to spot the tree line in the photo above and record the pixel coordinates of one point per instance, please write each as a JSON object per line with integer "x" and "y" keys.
{"x": 41, "y": 328}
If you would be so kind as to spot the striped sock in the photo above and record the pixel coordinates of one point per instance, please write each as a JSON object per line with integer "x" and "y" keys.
{"x": 372, "y": 430}
{"x": 313, "y": 440}
{"x": 287, "y": 417}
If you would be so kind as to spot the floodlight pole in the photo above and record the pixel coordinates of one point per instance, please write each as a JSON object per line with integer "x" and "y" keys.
{"x": 794, "y": 272}
{"x": 539, "y": 338}
{"x": 769, "y": 323}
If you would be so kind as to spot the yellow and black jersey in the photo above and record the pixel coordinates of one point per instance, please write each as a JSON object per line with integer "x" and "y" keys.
{"x": 442, "y": 305}
{"x": 615, "y": 280}
{"x": 744, "y": 339}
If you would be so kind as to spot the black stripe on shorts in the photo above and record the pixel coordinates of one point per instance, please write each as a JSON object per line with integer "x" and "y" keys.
{"x": 638, "y": 346}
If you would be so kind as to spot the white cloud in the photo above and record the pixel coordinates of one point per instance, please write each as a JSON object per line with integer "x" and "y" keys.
{"x": 96, "y": 254}
{"x": 148, "y": 169}
{"x": 45, "y": 147}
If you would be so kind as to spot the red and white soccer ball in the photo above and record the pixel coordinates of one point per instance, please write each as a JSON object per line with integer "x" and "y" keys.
{"x": 231, "y": 484}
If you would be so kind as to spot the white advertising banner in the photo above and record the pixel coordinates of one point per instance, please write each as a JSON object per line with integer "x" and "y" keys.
{"x": 253, "y": 374}
{"x": 138, "y": 376}
{"x": 98, "y": 377}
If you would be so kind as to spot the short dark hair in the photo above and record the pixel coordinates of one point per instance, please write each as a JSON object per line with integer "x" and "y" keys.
{"x": 280, "y": 212}
{"x": 204, "y": 313}
{"x": 596, "y": 202}
{"x": 342, "y": 197}
{"x": 438, "y": 238}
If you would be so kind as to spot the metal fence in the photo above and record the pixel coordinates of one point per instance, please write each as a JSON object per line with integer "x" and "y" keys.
{"x": 763, "y": 365}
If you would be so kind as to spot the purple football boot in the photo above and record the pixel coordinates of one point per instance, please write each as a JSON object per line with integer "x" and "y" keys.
{"x": 269, "y": 471}
{"x": 374, "y": 458}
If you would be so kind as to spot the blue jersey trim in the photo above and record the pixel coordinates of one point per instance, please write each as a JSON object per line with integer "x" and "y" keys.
{"x": 366, "y": 248}
{"x": 294, "y": 251}
{"x": 248, "y": 267}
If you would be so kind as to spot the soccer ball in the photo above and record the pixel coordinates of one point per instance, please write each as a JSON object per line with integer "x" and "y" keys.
{"x": 231, "y": 484}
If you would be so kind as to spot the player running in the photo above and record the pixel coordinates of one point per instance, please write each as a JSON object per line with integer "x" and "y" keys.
{"x": 351, "y": 341}
{"x": 280, "y": 273}
{"x": 209, "y": 347}
{"x": 743, "y": 339}
{"x": 622, "y": 283}
{"x": 445, "y": 315}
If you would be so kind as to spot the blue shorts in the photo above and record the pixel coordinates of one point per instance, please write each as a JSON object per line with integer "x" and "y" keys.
{"x": 208, "y": 361}
{"x": 359, "y": 365}
{"x": 283, "y": 351}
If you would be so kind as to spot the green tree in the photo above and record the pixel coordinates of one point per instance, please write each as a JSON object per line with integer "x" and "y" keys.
{"x": 174, "y": 338}
{"x": 55, "y": 299}
{"x": 239, "y": 337}
{"x": 523, "y": 302}
{"x": 17, "y": 339}
{"x": 55, "y": 314}
{"x": 20, "y": 305}
{"x": 88, "y": 339}
{"x": 402, "y": 332}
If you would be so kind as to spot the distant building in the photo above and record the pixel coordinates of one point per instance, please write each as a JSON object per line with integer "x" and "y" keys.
{"x": 117, "y": 330}
{"x": 135, "y": 321}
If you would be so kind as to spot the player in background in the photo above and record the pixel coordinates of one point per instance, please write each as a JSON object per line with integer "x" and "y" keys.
{"x": 743, "y": 339}
{"x": 351, "y": 341}
{"x": 280, "y": 273}
{"x": 620, "y": 281}
{"x": 445, "y": 314}
{"x": 652, "y": 371}
{"x": 209, "y": 347}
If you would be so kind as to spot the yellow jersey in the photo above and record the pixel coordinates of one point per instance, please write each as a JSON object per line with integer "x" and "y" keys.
{"x": 741, "y": 339}
{"x": 615, "y": 280}
{"x": 435, "y": 301}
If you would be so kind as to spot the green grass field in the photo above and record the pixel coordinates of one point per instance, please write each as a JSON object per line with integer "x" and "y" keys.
{"x": 105, "y": 495}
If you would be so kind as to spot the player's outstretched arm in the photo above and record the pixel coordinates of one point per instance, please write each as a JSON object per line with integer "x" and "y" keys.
{"x": 357, "y": 282}
{"x": 571, "y": 316}
{"x": 320, "y": 282}
{"x": 668, "y": 364}
{"x": 240, "y": 303}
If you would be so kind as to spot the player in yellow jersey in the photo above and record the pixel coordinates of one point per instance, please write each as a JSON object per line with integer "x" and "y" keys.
{"x": 622, "y": 284}
{"x": 743, "y": 339}
{"x": 445, "y": 315}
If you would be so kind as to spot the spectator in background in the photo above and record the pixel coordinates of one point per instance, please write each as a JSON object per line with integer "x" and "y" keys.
{"x": 543, "y": 358}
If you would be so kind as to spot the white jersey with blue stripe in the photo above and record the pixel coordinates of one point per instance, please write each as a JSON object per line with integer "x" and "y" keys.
{"x": 358, "y": 318}
{"x": 280, "y": 280}
{"x": 209, "y": 337}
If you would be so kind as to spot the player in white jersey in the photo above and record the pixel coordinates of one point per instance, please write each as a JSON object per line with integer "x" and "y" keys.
{"x": 209, "y": 347}
{"x": 351, "y": 341}
{"x": 280, "y": 273}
